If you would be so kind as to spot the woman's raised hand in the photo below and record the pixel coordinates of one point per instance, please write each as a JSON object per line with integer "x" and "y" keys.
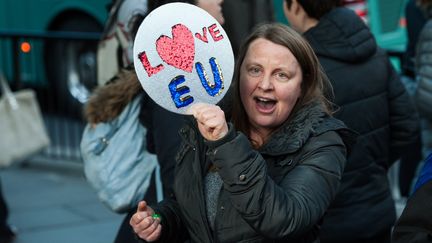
{"x": 144, "y": 224}
{"x": 211, "y": 120}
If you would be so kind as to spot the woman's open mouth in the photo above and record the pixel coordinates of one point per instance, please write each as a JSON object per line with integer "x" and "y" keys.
{"x": 265, "y": 105}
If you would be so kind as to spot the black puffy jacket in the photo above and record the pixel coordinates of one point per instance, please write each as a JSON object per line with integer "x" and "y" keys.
{"x": 276, "y": 194}
{"x": 374, "y": 103}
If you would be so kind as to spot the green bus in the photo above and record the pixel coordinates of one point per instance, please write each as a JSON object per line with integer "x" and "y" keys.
{"x": 45, "y": 43}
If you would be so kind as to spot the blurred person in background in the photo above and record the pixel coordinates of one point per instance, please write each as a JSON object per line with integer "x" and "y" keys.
{"x": 372, "y": 101}
{"x": 162, "y": 133}
{"x": 415, "y": 19}
{"x": 242, "y": 16}
{"x": 423, "y": 70}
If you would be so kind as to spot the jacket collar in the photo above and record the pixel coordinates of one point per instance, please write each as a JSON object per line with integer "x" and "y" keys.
{"x": 296, "y": 131}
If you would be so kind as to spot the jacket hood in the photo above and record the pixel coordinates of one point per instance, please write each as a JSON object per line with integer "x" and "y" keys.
{"x": 342, "y": 35}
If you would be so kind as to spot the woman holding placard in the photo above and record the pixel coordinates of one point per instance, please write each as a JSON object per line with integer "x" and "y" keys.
{"x": 268, "y": 176}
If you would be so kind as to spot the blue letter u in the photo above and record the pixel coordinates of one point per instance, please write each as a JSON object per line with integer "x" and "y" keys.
{"x": 217, "y": 87}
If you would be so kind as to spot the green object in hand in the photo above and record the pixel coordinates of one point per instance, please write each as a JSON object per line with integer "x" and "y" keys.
{"x": 156, "y": 216}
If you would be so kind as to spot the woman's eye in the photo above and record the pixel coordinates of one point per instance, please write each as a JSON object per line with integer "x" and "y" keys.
{"x": 282, "y": 76}
{"x": 254, "y": 71}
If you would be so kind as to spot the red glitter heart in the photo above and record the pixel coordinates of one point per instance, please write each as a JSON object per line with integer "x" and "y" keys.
{"x": 178, "y": 51}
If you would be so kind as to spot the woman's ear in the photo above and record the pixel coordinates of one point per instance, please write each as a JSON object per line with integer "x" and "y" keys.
{"x": 285, "y": 7}
{"x": 296, "y": 7}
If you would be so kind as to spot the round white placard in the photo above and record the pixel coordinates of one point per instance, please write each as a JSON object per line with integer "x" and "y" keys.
{"x": 183, "y": 56}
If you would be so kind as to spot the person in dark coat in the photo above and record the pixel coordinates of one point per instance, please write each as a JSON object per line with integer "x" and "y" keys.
{"x": 242, "y": 16}
{"x": 371, "y": 101}
{"x": 423, "y": 67}
{"x": 268, "y": 176}
{"x": 415, "y": 19}
{"x": 415, "y": 223}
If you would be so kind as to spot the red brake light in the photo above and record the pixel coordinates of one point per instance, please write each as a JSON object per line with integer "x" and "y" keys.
{"x": 25, "y": 47}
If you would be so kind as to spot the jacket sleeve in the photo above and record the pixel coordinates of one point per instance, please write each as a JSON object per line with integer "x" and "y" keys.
{"x": 173, "y": 229}
{"x": 404, "y": 119}
{"x": 292, "y": 206}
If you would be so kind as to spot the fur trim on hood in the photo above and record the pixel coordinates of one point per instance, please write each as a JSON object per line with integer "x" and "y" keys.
{"x": 107, "y": 102}
{"x": 309, "y": 121}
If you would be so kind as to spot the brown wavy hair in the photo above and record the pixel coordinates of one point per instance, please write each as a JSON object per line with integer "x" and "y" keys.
{"x": 107, "y": 102}
{"x": 315, "y": 86}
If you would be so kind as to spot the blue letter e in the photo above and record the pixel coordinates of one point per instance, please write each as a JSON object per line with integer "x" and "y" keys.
{"x": 177, "y": 92}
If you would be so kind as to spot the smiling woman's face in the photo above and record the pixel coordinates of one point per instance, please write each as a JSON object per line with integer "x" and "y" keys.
{"x": 270, "y": 84}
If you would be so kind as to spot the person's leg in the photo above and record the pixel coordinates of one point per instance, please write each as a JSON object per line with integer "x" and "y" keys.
{"x": 6, "y": 234}
{"x": 3, "y": 209}
{"x": 408, "y": 167}
{"x": 410, "y": 161}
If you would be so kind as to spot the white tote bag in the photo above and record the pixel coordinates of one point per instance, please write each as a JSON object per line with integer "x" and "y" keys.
{"x": 22, "y": 130}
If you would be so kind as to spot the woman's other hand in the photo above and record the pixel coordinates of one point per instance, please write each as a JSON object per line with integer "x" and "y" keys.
{"x": 211, "y": 121}
{"x": 144, "y": 225}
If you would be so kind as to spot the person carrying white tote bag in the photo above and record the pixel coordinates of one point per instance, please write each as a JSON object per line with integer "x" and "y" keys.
{"x": 22, "y": 129}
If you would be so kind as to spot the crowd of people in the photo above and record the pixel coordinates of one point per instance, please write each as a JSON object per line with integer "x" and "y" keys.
{"x": 299, "y": 148}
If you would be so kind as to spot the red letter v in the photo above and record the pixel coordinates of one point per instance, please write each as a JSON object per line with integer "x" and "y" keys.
{"x": 202, "y": 37}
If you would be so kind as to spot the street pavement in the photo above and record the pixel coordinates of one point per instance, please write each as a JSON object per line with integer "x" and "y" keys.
{"x": 51, "y": 202}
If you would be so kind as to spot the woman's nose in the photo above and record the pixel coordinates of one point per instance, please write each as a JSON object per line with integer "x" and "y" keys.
{"x": 265, "y": 83}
